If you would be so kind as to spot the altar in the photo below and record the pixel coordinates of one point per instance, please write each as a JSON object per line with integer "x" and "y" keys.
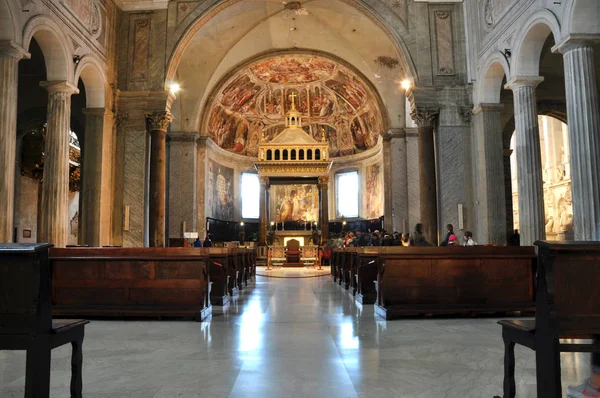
{"x": 293, "y": 170}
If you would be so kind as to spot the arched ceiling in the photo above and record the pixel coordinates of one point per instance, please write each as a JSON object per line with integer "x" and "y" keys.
{"x": 253, "y": 28}
{"x": 332, "y": 99}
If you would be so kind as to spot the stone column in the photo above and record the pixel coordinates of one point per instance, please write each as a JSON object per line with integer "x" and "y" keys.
{"x": 158, "y": 123}
{"x": 324, "y": 208}
{"x": 584, "y": 126}
{"x": 54, "y": 209}
{"x": 96, "y": 187}
{"x": 387, "y": 183}
{"x": 489, "y": 166}
{"x": 425, "y": 119}
{"x": 262, "y": 231}
{"x": 10, "y": 54}
{"x": 529, "y": 161}
{"x": 508, "y": 194}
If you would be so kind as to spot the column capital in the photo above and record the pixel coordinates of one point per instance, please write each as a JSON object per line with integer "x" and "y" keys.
{"x": 158, "y": 121}
{"x": 323, "y": 181}
{"x": 264, "y": 180}
{"x": 59, "y": 86}
{"x": 520, "y": 81}
{"x": 486, "y": 107}
{"x": 9, "y": 48}
{"x": 573, "y": 42}
{"x": 425, "y": 116}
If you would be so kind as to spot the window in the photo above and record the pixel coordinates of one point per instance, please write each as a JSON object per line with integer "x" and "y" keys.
{"x": 346, "y": 194}
{"x": 250, "y": 195}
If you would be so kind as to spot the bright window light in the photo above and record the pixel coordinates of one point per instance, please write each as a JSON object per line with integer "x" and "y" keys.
{"x": 250, "y": 195}
{"x": 346, "y": 185}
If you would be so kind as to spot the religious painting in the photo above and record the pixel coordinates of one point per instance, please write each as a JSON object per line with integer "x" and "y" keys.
{"x": 294, "y": 202}
{"x": 329, "y": 95}
{"x": 374, "y": 191}
{"x": 220, "y": 187}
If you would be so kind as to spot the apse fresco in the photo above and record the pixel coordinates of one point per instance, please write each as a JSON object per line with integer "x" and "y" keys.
{"x": 295, "y": 202}
{"x": 374, "y": 191}
{"x": 220, "y": 191}
{"x": 329, "y": 95}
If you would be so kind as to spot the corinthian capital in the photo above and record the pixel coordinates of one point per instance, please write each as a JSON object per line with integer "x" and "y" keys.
{"x": 425, "y": 116}
{"x": 323, "y": 181}
{"x": 158, "y": 121}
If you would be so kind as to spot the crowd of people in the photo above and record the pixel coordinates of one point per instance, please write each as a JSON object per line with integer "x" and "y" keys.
{"x": 383, "y": 238}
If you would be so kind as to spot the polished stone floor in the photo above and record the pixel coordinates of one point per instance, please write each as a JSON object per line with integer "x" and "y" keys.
{"x": 291, "y": 338}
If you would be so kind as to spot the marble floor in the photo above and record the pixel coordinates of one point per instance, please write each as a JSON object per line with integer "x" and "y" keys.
{"x": 291, "y": 338}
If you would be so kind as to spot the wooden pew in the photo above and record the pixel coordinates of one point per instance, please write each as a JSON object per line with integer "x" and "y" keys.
{"x": 366, "y": 274}
{"x": 131, "y": 282}
{"x": 219, "y": 268}
{"x": 567, "y": 307}
{"x": 424, "y": 280}
{"x": 26, "y": 317}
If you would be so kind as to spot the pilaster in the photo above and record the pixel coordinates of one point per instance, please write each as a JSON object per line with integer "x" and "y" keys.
{"x": 183, "y": 167}
{"x": 262, "y": 231}
{"x": 324, "y": 208}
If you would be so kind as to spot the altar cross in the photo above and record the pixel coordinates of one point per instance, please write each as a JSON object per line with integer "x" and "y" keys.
{"x": 293, "y": 97}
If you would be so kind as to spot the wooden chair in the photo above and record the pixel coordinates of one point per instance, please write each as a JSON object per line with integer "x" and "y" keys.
{"x": 26, "y": 317}
{"x": 567, "y": 306}
{"x": 292, "y": 252}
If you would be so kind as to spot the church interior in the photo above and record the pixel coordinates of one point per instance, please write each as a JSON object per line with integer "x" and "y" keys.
{"x": 314, "y": 198}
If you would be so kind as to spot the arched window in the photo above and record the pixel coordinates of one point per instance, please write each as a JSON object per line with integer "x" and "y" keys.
{"x": 317, "y": 154}
{"x": 269, "y": 154}
{"x": 277, "y": 154}
{"x": 309, "y": 154}
{"x": 301, "y": 154}
{"x": 285, "y": 154}
{"x": 346, "y": 194}
{"x": 293, "y": 157}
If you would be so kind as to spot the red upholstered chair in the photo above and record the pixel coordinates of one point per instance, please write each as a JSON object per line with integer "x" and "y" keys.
{"x": 292, "y": 251}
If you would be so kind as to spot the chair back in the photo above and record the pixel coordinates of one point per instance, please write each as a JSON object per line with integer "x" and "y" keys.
{"x": 568, "y": 288}
{"x": 293, "y": 245}
{"x": 24, "y": 289}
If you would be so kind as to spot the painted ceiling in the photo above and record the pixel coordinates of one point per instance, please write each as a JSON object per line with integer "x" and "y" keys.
{"x": 329, "y": 95}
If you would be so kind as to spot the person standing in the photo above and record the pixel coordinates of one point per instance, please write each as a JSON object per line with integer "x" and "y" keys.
{"x": 418, "y": 239}
{"x": 450, "y": 229}
{"x": 207, "y": 241}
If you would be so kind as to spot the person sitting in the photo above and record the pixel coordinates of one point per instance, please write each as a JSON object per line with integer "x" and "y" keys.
{"x": 405, "y": 240}
{"x": 591, "y": 387}
{"x": 207, "y": 241}
{"x": 452, "y": 240}
{"x": 450, "y": 229}
{"x": 418, "y": 239}
{"x": 468, "y": 239}
{"x": 197, "y": 242}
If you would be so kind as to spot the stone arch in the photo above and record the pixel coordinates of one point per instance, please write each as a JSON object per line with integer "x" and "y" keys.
{"x": 184, "y": 40}
{"x": 56, "y": 47}
{"x": 530, "y": 41}
{"x": 8, "y": 18}
{"x": 581, "y": 17}
{"x": 91, "y": 72}
{"x": 490, "y": 80}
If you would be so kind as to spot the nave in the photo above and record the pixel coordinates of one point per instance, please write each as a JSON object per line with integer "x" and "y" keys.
{"x": 303, "y": 337}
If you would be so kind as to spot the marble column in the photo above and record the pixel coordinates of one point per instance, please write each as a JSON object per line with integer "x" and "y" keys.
{"x": 54, "y": 209}
{"x": 262, "y": 228}
{"x": 425, "y": 119}
{"x": 489, "y": 163}
{"x": 10, "y": 54}
{"x": 387, "y": 182}
{"x": 508, "y": 194}
{"x": 158, "y": 123}
{"x": 529, "y": 161}
{"x": 96, "y": 187}
{"x": 584, "y": 126}
{"x": 324, "y": 208}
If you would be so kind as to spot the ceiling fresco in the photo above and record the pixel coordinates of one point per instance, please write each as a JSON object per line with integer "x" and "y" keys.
{"x": 329, "y": 95}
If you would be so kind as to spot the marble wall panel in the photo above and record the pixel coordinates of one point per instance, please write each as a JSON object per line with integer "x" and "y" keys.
{"x": 444, "y": 42}
{"x": 134, "y": 187}
{"x": 412, "y": 172}
{"x": 399, "y": 185}
{"x": 452, "y": 154}
{"x": 140, "y": 34}
{"x": 182, "y": 187}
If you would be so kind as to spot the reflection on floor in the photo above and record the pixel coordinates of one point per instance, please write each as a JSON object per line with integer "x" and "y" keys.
{"x": 291, "y": 338}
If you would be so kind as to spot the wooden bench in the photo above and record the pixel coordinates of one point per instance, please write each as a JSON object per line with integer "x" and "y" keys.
{"x": 366, "y": 274}
{"x": 26, "y": 317}
{"x": 130, "y": 282}
{"x": 463, "y": 280}
{"x": 567, "y": 306}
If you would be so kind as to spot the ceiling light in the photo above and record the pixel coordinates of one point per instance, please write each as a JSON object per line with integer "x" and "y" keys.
{"x": 174, "y": 88}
